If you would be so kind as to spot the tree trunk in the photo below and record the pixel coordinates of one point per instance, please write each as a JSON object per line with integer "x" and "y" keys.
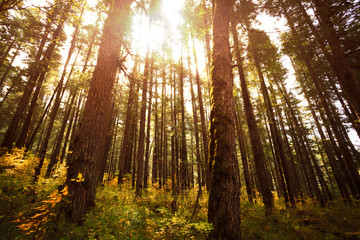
{"x": 140, "y": 152}
{"x": 163, "y": 138}
{"x": 54, "y": 111}
{"x": 244, "y": 160}
{"x": 202, "y": 119}
{"x": 67, "y": 135}
{"x": 34, "y": 74}
{"x": 90, "y": 141}
{"x": 54, "y": 155}
{"x": 183, "y": 152}
{"x": 196, "y": 128}
{"x": 9, "y": 67}
{"x": 147, "y": 150}
{"x": 256, "y": 145}
{"x": 125, "y": 157}
{"x": 174, "y": 172}
{"x": 224, "y": 198}
{"x": 155, "y": 163}
{"x": 349, "y": 83}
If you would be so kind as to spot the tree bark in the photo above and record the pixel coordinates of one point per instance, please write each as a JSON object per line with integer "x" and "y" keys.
{"x": 349, "y": 83}
{"x": 196, "y": 128}
{"x": 9, "y": 67}
{"x": 54, "y": 111}
{"x": 202, "y": 118}
{"x": 147, "y": 150}
{"x": 125, "y": 156}
{"x": 257, "y": 148}
{"x": 36, "y": 74}
{"x": 140, "y": 152}
{"x": 90, "y": 141}
{"x": 183, "y": 152}
{"x": 224, "y": 198}
{"x": 155, "y": 163}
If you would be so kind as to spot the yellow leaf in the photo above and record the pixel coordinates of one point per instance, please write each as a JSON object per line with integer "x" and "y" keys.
{"x": 65, "y": 191}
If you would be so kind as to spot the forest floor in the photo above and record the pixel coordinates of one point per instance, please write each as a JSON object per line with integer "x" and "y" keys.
{"x": 30, "y": 212}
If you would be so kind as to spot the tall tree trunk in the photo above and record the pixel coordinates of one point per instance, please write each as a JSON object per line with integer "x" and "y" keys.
{"x": 163, "y": 138}
{"x": 224, "y": 198}
{"x": 147, "y": 150}
{"x": 140, "y": 152}
{"x": 108, "y": 139}
{"x": 297, "y": 186}
{"x": 174, "y": 152}
{"x": 54, "y": 155}
{"x": 256, "y": 145}
{"x": 125, "y": 159}
{"x": 196, "y": 128}
{"x": 349, "y": 83}
{"x": 37, "y": 73}
{"x": 54, "y": 111}
{"x": 202, "y": 119}
{"x": 275, "y": 134}
{"x": 90, "y": 141}
{"x": 183, "y": 152}
{"x": 131, "y": 162}
{"x": 244, "y": 159}
{"x": 9, "y": 67}
{"x": 155, "y": 163}
{"x": 68, "y": 131}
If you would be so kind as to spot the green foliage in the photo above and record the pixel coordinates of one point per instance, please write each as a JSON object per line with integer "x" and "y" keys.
{"x": 15, "y": 192}
{"x": 119, "y": 214}
{"x": 7, "y": 5}
{"x": 307, "y": 221}
{"x": 31, "y": 212}
{"x": 27, "y": 210}
{"x": 38, "y": 225}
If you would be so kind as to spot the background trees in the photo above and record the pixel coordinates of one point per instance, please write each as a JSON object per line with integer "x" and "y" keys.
{"x": 70, "y": 92}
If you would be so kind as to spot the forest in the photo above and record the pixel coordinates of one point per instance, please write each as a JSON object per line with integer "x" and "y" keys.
{"x": 187, "y": 119}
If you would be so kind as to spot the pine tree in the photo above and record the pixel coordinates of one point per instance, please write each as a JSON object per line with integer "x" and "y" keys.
{"x": 89, "y": 146}
{"x": 224, "y": 198}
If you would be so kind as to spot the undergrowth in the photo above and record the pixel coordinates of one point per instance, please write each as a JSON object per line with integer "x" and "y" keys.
{"x": 30, "y": 211}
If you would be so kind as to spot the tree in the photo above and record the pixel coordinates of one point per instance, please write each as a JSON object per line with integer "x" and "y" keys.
{"x": 257, "y": 148}
{"x": 349, "y": 83}
{"x": 183, "y": 152}
{"x": 7, "y": 5}
{"x": 224, "y": 198}
{"x": 37, "y": 73}
{"x": 90, "y": 141}
{"x": 140, "y": 153}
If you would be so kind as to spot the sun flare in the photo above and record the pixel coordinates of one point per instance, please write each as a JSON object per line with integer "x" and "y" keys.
{"x": 166, "y": 31}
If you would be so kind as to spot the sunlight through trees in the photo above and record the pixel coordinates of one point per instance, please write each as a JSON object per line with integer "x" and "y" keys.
{"x": 200, "y": 115}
